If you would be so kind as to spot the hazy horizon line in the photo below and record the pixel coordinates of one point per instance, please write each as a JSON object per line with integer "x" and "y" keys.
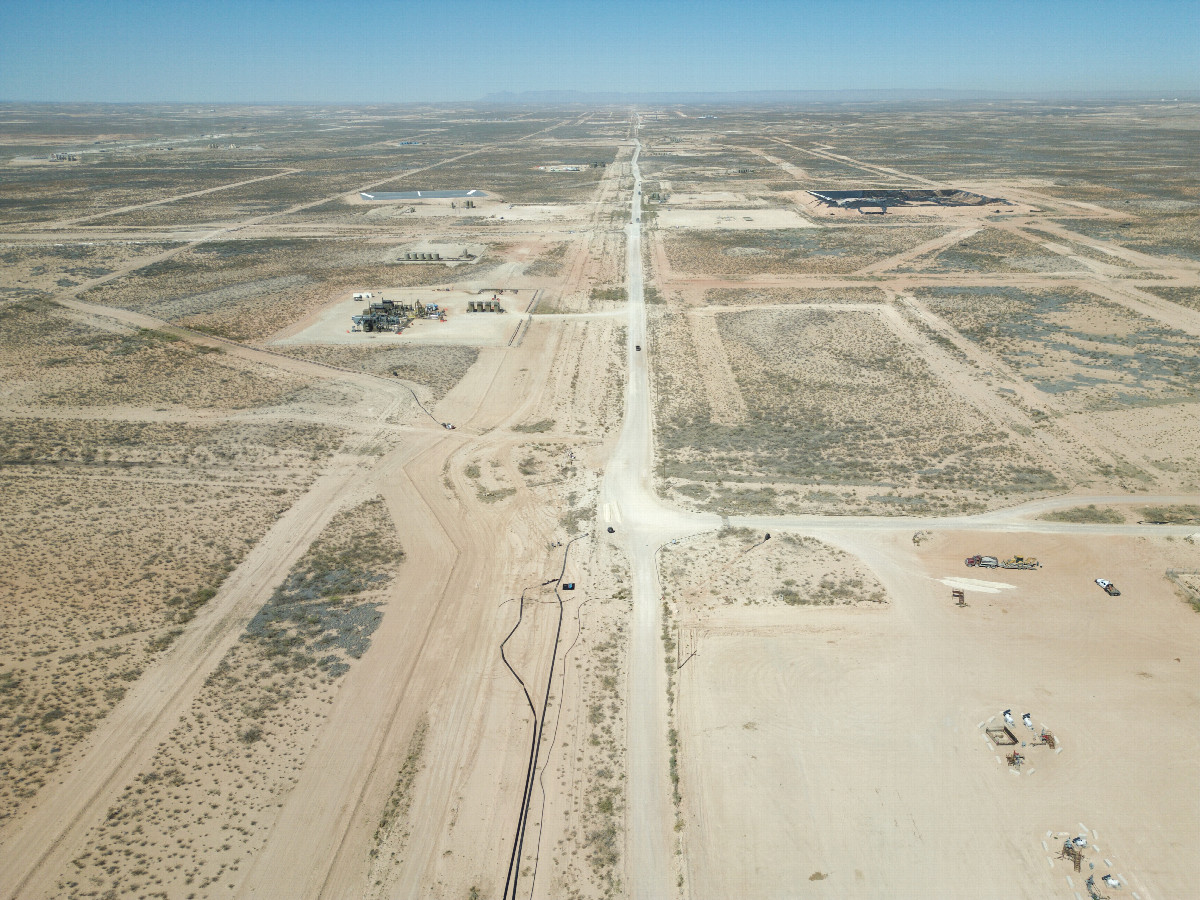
{"x": 765, "y": 96}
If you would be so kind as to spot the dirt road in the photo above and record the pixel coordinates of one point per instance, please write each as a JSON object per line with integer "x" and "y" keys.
{"x": 39, "y": 846}
{"x": 629, "y": 505}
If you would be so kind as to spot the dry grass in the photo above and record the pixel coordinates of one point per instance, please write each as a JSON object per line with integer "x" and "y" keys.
{"x": 738, "y": 567}
{"x": 391, "y": 834}
{"x": 1089, "y": 353}
{"x": 50, "y": 357}
{"x": 765, "y": 296}
{"x": 1184, "y": 296}
{"x": 592, "y": 852}
{"x": 250, "y": 289}
{"x": 833, "y": 400}
{"x": 437, "y": 368}
{"x": 1087, "y": 515}
{"x": 1163, "y": 233}
{"x": 824, "y": 250}
{"x": 550, "y": 263}
{"x": 37, "y": 270}
{"x": 994, "y": 250}
{"x": 81, "y": 626}
{"x": 203, "y": 806}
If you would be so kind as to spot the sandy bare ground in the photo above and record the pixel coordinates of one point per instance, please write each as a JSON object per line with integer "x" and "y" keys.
{"x": 45, "y": 840}
{"x": 822, "y": 747}
{"x": 64, "y": 223}
{"x": 47, "y": 837}
{"x": 732, "y": 219}
{"x": 842, "y": 744}
{"x": 333, "y": 326}
{"x": 826, "y": 751}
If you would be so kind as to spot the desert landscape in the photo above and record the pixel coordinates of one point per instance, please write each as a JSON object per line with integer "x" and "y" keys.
{"x": 565, "y": 501}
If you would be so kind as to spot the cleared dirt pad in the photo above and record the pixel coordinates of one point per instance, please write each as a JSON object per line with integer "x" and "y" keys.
{"x": 731, "y": 219}
{"x": 845, "y": 742}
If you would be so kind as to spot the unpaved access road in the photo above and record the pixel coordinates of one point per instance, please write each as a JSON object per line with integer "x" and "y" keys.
{"x": 39, "y": 846}
{"x": 643, "y": 524}
{"x": 629, "y": 505}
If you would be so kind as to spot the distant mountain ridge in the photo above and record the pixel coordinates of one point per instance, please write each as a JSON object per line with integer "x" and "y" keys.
{"x": 846, "y": 96}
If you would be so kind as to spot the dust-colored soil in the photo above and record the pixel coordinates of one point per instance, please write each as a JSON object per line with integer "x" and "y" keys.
{"x": 274, "y": 630}
{"x": 849, "y": 741}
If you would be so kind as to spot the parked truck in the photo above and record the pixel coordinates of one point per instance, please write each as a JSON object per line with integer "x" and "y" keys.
{"x": 983, "y": 562}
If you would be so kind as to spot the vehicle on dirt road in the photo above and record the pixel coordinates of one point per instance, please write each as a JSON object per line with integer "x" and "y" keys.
{"x": 1109, "y": 587}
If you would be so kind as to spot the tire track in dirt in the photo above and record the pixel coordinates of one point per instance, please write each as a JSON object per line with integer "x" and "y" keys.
{"x": 39, "y": 845}
{"x": 1056, "y": 447}
{"x": 721, "y": 389}
{"x": 437, "y": 636}
{"x": 369, "y": 725}
{"x": 63, "y": 223}
{"x": 1068, "y": 436}
{"x": 938, "y": 243}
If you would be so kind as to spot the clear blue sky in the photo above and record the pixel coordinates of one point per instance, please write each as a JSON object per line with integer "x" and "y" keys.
{"x": 212, "y": 50}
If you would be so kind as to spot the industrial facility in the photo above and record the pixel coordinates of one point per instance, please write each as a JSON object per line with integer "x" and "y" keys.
{"x": 388, "y": 315}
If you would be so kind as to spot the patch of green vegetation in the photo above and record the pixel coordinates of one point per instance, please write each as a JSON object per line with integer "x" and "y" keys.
{"x": 163, "y": 641}
{"x": 1086, "y": 515}
{"x": 251, "y": 735}
{"x": 400, "y": 799}
{"x": 539, "y": 427}
{"x": 830, "y": 590}
{"x": 1183, "y": 514}
{"x": 574, "y": 519}
{"x": 615, "y": 294}
{"x": 184, "y": 606}
{"x": 317, "y": 616}
{"x": 495, "y": 495}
